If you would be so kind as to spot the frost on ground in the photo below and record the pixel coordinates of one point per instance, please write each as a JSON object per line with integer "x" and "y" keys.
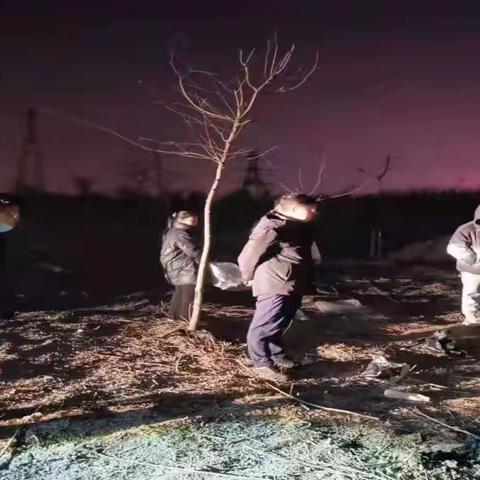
{"x": 243, "y": 448}
{"x": 119, "y": 369}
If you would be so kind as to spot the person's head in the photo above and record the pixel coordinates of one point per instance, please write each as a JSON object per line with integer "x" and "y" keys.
{"x": 477, "y": 217}
{"x": 185, "y": 217}
{"x": 297, "y": 206}
{"x": 9, "y": 214}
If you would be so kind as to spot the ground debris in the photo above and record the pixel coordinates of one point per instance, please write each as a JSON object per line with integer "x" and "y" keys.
{"x": 412, "y": 397}
{"x": 129, "y": 357}
{"x": 380, "y": 367}
{"x": 338, "y": 306}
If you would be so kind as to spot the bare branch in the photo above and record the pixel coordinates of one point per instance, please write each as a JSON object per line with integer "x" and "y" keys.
{"x": 288, "y": 190}
{"x": 185, "y": 116}
{"x": 275, "y": 52}
{"x": 220, "y": 132}
{"x": 304, "y": 78}
{"x": 215, "y": 90}
{"x": 266, "y": 152}
{"x": 267, "y": 55}
{"x": 249, "y": 57}
{"x": 180, "y": 152}
{"x": 323, "y": 167}
{"x": 350, "y": 192}
{"x": 213, "y": 78}
{"x": 300, "y": 181}
{"x": 385, "y": 170}
{"x": 244, "y": 64}
{"x": 201, "y": 108}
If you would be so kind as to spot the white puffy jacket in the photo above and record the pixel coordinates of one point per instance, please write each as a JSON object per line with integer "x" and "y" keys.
{"x": 464, "y": 245}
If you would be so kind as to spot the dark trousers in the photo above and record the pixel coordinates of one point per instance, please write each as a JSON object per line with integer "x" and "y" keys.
{"x": 7, "y": 296}
{"x": 273, "y": 315}
{"x": 182, "y": 299}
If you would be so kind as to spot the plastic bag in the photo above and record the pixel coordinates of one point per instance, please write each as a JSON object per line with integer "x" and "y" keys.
{"x": 301, "y": 316}
{"x": 380, "y": 367}
{"x": 227, "y": 276}
{"x": 414, "y": 397}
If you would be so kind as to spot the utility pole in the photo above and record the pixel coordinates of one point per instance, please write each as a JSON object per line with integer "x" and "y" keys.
{"x": 30, "y": 169}
{"x": 376, "y": 233}
{"x": 253, "y": 182}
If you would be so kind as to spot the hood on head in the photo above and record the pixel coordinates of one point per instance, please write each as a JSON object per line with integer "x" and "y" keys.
{"x": 477, "y": 216}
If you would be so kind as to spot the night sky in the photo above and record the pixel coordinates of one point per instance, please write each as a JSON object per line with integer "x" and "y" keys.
{"x": 396, "y": 78}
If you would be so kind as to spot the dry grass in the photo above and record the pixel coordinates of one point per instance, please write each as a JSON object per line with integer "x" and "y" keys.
{"x": 127, "y": 357}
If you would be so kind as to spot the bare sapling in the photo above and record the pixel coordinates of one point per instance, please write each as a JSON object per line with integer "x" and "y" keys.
{"x": 217, "y": 111}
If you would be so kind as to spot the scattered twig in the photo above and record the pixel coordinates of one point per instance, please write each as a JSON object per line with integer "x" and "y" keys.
{"x": 425, "y": 330}
{"x": 172, "y": 331}
{"x": 328, "y": 409}
{"x": 177, "y": 363}
{"x": 443, "y": 387}
{"x": 381, "y": 292}
{"x": 17, "y": 431}
{"x": 179, "y": 469}
{"x": 427, "y": 384}
{"x": 455, "y": 429}
{"x": 308, "y": 404}
{"x": 344, "y": 469}
{"x": 7, "y": 446}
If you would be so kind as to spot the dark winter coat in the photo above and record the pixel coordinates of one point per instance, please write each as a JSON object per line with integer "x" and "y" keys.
{"x": 5, "y": 282}
{"x": 3, "y": 254}
{"x": 280, "y": 256}
{"x": 180, "y": 255}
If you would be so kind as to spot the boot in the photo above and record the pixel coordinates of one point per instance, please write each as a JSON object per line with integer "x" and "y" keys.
{"x": 271, "y": 374}
{"x": 285, "y": 363}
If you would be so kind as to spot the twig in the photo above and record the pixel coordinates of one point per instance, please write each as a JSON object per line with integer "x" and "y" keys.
{"x": 344, "y": 469}
{"x": 11, "y": 440}
{"x": 17, "y": 431}
{"x": 308, "y": 404}
{"x": 349, "y": 192}
{"x": 442, "y": 387}
{"x": 455, "y": 429}
{"x": 426, "y": 330}
{"x": 323, "y": 166}
{"x": 381, "y": 292}
{"x": 428, "y": 384}
{"x": 177, "y": 363}
{"x": 172, "y": 331}
{"x": 179, "y": 152}
{"x": 179, "y": 469}
{"x": 328, "y": 409}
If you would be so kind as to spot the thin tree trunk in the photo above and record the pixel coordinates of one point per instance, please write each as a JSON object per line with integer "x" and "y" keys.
{"x": 207, "y": 235}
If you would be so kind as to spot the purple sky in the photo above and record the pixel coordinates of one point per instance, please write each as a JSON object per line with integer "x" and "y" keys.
{"x": 401, "y": 81}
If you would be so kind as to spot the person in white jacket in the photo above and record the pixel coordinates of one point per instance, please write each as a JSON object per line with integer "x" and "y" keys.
{"x": 464, "y": 246}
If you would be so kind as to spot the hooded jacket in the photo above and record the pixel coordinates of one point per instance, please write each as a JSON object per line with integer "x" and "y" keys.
{"x": 280, "y": 256}
{"x": 180, "y": 255}
{"x": 464, "y": 245}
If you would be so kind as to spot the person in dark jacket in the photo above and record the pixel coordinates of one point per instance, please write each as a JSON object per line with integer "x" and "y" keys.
{"x": 9, "y": 219}
{"x": 279, "y": 260}
{"x": 180, "y": 257}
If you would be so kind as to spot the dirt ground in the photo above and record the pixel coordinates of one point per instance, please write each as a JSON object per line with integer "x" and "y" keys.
{"x": 125, "y": 360}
